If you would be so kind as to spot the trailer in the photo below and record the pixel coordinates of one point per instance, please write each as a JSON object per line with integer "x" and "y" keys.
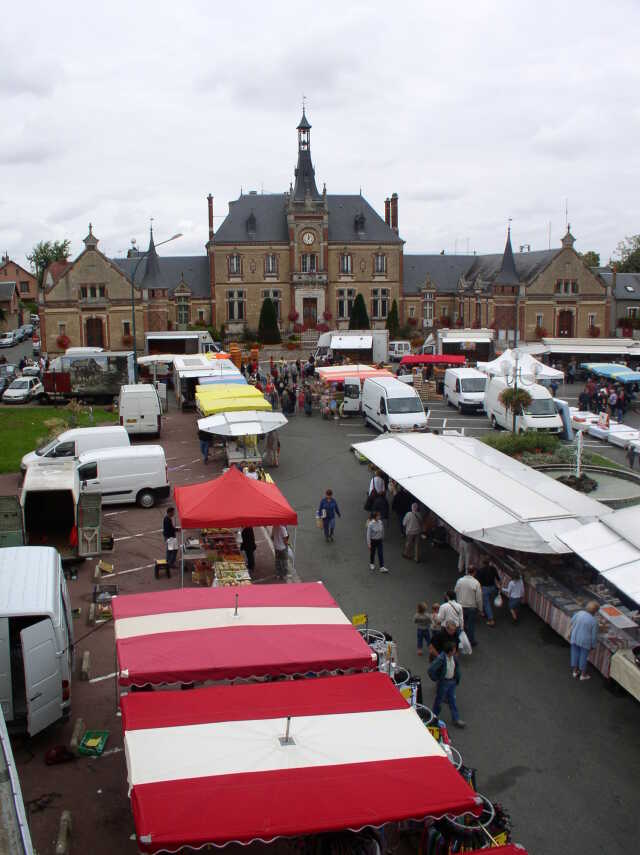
{"x": 94, "y": 376}
{"x": 355, "y": 345}
{"x": 179, "y": 342}
{"x": 474, "y": 344}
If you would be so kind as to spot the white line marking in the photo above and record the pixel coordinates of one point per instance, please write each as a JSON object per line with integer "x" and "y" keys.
{"x": 140, "y": 534}
{"x": 104, "y": 677}
{"x": 133, "y": 569}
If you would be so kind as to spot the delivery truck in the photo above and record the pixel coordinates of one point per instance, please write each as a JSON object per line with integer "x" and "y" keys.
{"x": 94, "y": 376}
{"x": 36, "y": 638}
{"x": 356, "y": 345}
{"x": 179, "y": 342}
{"x": 51, "y": 510}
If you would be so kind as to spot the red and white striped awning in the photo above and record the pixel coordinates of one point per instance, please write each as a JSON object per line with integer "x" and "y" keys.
{"x": 194, "y": 634}
{"x": 208, "y": 766}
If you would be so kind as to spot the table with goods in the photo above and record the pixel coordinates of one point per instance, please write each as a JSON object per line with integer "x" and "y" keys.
{"x": 214, "y": 558}
{"x": 243, "y": 450}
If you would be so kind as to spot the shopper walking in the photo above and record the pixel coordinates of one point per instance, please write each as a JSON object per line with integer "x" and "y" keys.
{"x": 451, "y": 611}
{"x": 489, "y": 579}
{"x": 327, "y": 512}
{"x": 377, "y": 485}
{"x": 280, "y": 538}
{"x": 375, "y": 537}
{"x": 515, "y": 595}
{"x": 445, "y": 671}
{"x": 400, "y": 505}
{"x": 249, "y": 547}
{"x": 169, "y": 532}
{"x": 308, "y": 401}
{"x": 412, "y": 524}
{"x": 583, "y": 638}
{"x": 422, "y": 620}
{"x": 469, "y": 595}
{"x": 205, "y": 444}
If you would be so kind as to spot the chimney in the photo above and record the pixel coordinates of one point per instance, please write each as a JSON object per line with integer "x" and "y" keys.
{"x": 210, "y": 201}
{"x": 387, "y": 211}
{"x": 394, "y": 212}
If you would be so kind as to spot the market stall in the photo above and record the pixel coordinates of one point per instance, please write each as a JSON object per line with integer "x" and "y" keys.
{"x": 230, "y": 501}
{"x": 257, "y": 631}
{"x": 234, "y": 761}
{"x": 241, "y": 431}
{"x": 340, "y": 386}
{"x": 228, "y": 398}
{"x": 612, "y": 371}
{"x": 451, "y": 359}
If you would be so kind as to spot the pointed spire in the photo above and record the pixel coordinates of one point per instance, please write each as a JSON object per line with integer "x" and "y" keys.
{"x": 305, "y": 185}
{"x": 508, "y": 274}
{"x": 568, "y": 240}
{"x": 91, "y": 241}
{"x": 152, "y": 276}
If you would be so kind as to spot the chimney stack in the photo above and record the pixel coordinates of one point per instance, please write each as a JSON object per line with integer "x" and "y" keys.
{"x": 394, "y": 212}
{"x": 210, "y": 201}
{"x": 387, "y": 211}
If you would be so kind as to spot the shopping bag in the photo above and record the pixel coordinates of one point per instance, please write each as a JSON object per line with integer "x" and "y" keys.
{"x": 318, "y": 522}
{"x": 498, "y": 602}
{"x": 172, "y": 544}
{"x": 464, "y": 645}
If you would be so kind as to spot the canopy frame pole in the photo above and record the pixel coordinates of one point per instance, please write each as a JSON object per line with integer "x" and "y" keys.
{"x": 181, "y": 557}
{"x": 287, "y": 739}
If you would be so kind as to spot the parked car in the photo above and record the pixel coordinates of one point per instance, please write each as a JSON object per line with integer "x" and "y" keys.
{"x": 22, "y": 390}
{"x": 28, "y": 330}
{"x": 18, "y": 335}
{"x": 31, "y": 371}
{"x": 9, "y": 371}
{"x": 35, "y": 319}
{"x": 7, "y": 339}
{"x": 35, "y": 343}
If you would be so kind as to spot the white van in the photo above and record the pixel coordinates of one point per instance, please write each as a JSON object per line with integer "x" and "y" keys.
{"x": 388, "y": 404}
{"x": 36, "y": 638}
{"x": 464, "y": 388}
{"x": 398, "y": 349}
{"x": 71, "y": 443}
{"x": 541, "y": 415}
{"x": 140, "y": 409}
{"x": 136, "y": 474}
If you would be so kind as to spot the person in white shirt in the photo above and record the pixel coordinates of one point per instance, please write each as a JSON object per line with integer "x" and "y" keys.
{"x": 515, "y": 595}
{"x": 377, "y": 485}
{"x": 469, "y": 596}
{"x": 280, "y": 538}
{"x": 412, "y": 524}
{"x": 451, "y": 611}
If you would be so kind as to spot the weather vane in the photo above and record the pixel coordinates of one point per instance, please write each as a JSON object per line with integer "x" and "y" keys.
{"x": 304, "y": 102}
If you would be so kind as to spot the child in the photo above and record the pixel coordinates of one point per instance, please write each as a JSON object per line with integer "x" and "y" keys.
{"x": 423, "y": 623}
{"x": 445, "y": 671}
{"x": 515, "y": 593}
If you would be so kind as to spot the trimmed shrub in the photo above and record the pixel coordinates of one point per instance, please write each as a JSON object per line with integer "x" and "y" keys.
{"x": 268, "y": 332}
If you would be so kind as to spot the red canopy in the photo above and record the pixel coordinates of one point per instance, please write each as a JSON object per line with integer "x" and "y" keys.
{"x": 433, "y": 359}
{"x": 508, "y": 849}
{"x": 209, "y": 766}
{"x": 195, "y": 634}
{"x": 232, "y": 501}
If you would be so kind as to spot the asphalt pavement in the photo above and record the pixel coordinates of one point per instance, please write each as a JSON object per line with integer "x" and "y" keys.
{"x": 562, "y": 756}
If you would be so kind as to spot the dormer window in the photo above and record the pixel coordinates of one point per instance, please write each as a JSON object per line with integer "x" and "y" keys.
{"x": 359, "y": 223}
{"x": 251, "y": 225}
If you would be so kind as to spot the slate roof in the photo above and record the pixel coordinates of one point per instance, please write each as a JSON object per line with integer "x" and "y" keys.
{"x": 304, "y": 123}
{"x": 193, "y": 268}
{"x": 507, "y": 274}
{"x": 6, "y": 291}
{"x": 270, "y": 212}
{"x": 627, "y": 284}
{"x": 446, "y": 270}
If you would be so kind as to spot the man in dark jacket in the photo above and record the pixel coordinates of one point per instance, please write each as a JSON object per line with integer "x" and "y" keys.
{"x": 249, "y": 547}
{"x": 445, "y": 671}
{"x": 170, "y": 537}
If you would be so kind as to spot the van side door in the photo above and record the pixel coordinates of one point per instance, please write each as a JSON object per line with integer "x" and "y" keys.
{"x": 41, "y": 675}
{"x": 11, "y": 527}
{"x": 89, "y": 524}
{"x": 351, "y": 395}
{"x": 6, "y": 685}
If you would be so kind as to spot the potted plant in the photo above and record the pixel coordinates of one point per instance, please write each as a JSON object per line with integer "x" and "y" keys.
{"x": 460, "y": 323}
{"x": 127, "y": 340}
{"x": 293, "y": 316}
{"x": 594, "y": 331}
{"x": 327, "y": 315}
{"x": 540, "y": 333}
{"x": 517, "y": 400}
{"x": 63, "y": 341}
{"x": 475, "y": 325}
{"x": 322, "y": 328}
{"x": 413, "y": 322}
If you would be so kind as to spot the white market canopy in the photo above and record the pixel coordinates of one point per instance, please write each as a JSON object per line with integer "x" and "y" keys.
{"x": 245, "y": 423}
{"x": 351, "y": 342}
{"x": 529, "y": 368}
{"x": 593, "y": 346}
{"x": 612, "y": 547}
{"x": 156, "y": 359}
{"x": 481, "y": 492}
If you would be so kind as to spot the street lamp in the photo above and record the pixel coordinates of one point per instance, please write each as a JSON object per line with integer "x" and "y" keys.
{"x": 133, "y": 303}
{"x": 517, "y": 375}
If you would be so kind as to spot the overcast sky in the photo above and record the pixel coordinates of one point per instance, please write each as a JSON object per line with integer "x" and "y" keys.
{"x": 472, "y": 112}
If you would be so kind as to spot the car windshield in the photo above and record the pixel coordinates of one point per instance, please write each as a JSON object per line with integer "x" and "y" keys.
{"x": 541, "y": 407}
{"x": 19, "y": 384}
{"x": 42, "y": 452}
{"x": 474, "y": 384}
{"x": 404, "y": 405}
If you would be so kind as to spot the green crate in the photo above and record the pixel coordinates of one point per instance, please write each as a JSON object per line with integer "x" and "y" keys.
{"x": 93, "y": 750}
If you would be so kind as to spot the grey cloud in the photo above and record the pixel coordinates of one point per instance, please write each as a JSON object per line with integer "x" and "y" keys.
{"x": 20, "y": 153}
{"x": 16, "y": 81}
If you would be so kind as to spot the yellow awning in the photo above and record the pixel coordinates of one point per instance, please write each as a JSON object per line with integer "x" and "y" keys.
{"x": 228, "y": 390}
{"x": 212, "y": 406}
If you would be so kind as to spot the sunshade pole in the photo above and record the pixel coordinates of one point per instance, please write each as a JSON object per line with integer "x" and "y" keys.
{"x": 181, "y": 557}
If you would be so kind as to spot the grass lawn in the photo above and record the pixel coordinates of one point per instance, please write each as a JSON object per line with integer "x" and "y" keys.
{"x": 24, "y": 428}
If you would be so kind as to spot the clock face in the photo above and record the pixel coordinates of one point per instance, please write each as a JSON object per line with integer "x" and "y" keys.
{"x": 308, "y": 238}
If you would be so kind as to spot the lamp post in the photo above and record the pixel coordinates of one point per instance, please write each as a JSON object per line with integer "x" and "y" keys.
{"x": 133, "y": 304}
{"x": 517, "y": 375}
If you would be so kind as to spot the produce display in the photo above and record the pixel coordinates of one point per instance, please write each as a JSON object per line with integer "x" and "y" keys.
{"x": 224, "y": 564}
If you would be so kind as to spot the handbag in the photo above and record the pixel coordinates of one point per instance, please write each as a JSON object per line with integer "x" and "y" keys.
{"x": 498, "y": 602}
{"x": 172, "y": 544}
{"x": 318, "y": 522}
{"x": 464, "y": 645}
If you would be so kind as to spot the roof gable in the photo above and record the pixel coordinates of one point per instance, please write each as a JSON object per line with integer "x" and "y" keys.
{"x": 192, "y": 270}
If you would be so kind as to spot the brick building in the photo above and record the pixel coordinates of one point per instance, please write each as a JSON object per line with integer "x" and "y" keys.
{"x": 26, "y": 283}
{"x": 551, "y": 292}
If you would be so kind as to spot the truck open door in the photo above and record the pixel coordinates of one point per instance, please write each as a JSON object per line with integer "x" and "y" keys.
{"x": 89, "y": 524}
{"x": 11, "y": 528}
{"x": 42, "y": 678}
{"x": 6, "y": 685}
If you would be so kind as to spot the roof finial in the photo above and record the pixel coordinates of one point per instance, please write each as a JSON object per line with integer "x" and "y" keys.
{"x": 304, "y": 103}
{"x": 509, "y": 221}
{"x": 151, "y": 225}
{"x": 91, "y": 228}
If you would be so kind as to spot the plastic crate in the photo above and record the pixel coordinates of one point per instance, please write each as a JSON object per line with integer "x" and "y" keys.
{"x": 89, "y": 747}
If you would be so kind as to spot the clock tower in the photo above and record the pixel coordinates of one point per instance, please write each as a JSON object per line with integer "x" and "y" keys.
{"x": 308, "y": 227}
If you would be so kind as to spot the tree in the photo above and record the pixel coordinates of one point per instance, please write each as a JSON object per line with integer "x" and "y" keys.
{"x": 46, "y": 251}
{"x": 591, "y": 258}
{"x": 268, "y": 332}
{"x": 628, "y": 255}
{"x": 393, "y": 324}
{"x": 359, "y": 319}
